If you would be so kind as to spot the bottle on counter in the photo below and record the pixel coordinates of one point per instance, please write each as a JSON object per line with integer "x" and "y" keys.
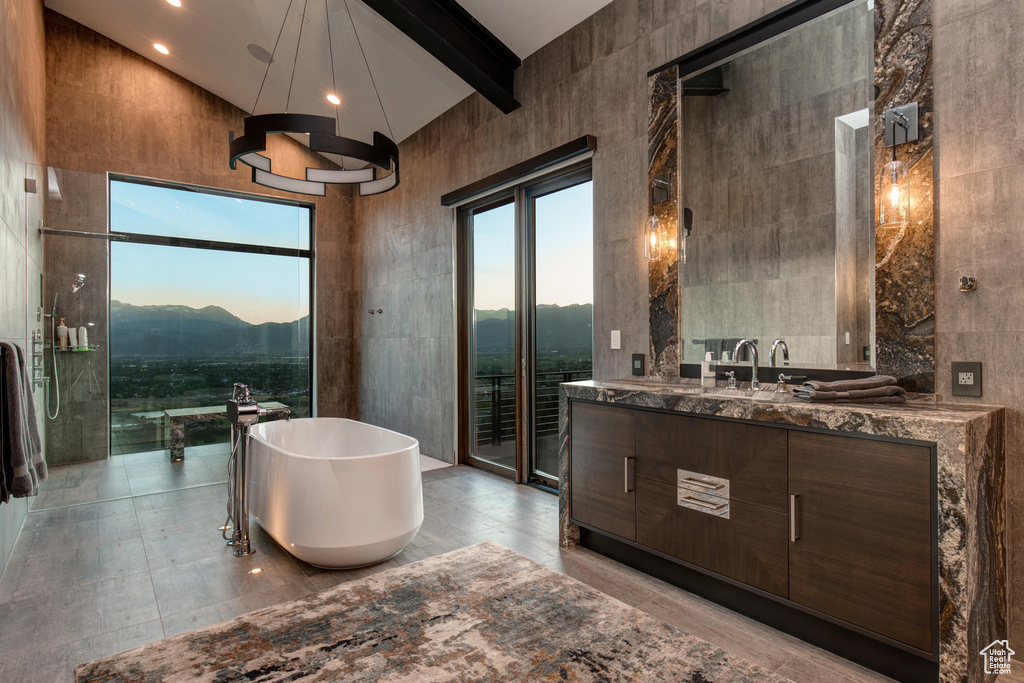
{"x": 707, "y": 374}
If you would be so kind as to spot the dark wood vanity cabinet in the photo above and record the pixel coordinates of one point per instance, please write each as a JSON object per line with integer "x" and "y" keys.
{"x": 838, "y": 525}
{"x": 863, "y": 530}
{"x": 603, "y": 494}
{"x": 680, "y": 459}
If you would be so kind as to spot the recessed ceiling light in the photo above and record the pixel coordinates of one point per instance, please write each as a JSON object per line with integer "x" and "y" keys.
{"x": 176, "y": 3}
{"x": 333, "y": 99}
{"x": 257, "y": 570}
{"x": 161, "y": 49}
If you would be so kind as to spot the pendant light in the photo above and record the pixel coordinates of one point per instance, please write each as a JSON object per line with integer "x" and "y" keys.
{"x": 894, "y": 186}
{"x": 380, "y": 158}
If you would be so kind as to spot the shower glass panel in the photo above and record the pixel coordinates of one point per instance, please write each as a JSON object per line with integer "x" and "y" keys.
{"x": 492, "y": 235}
{"x": 206, "y": 289}
{"x": 75, "y": 266}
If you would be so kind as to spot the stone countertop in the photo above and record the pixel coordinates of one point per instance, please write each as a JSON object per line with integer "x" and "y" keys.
{"x": 970, "y": 458}
{"x": 767, "y": 406}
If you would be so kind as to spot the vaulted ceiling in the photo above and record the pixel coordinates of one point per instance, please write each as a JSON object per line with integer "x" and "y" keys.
{"x": 217, "y": 44}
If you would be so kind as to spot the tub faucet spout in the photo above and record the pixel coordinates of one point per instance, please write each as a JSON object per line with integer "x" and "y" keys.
{"x": 243, "y": 412}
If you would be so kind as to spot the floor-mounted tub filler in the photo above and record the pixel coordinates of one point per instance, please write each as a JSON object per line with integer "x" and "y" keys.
{"x": 334, "y": 492}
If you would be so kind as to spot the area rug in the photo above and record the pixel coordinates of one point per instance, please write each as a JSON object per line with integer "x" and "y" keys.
{"x": 482, "y": 613}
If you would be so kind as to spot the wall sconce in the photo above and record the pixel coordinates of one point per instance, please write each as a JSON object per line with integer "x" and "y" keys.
{"x": 894, "y": 180}
{"x": 652, "y": 239}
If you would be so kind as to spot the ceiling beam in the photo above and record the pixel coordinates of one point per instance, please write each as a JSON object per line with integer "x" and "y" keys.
{"x": 457, "y": 40}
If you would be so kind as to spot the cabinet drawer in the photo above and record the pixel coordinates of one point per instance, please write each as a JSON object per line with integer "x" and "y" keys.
{"x": 752, "y": 458}
{"x": 749, "y": 546}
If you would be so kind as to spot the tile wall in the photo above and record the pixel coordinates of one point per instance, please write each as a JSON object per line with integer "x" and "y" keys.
{"x": 22, "y": 152}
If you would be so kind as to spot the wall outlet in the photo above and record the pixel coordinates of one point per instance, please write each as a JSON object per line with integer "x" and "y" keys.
{"x": 638, "y": 364}
{"x": 616, "y": 340}
{"x": 966, "y": 379}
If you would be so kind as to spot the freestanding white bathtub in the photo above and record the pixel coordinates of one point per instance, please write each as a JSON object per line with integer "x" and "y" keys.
{"x": 335, "y": 492}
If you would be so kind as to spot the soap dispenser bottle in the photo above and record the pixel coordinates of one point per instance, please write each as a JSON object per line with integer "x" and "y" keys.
{"x": 62, "y": 335}
{"x": 707, "y": 374}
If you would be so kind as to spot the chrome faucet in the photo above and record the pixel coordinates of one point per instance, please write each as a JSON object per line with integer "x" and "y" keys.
{"x": 243, "y": 413}
{"x": 776, "y": 345}
{"x": 755, "y": 384}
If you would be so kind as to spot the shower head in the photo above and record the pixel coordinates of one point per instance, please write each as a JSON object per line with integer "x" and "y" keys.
{"x": 78, "y": 283}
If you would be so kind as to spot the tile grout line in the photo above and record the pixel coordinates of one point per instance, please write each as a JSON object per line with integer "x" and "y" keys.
{"x": 149, "y": 569}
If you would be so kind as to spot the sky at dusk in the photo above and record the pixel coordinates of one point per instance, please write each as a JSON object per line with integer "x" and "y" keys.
{"x": 565, "y": 248}
{"x": 257, "y": 288}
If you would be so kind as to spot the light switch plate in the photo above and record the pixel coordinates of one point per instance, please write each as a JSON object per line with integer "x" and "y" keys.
{"x": 616, "y": 340}
{"x": 966, "y": 379}
{"x": 638, "y": 364}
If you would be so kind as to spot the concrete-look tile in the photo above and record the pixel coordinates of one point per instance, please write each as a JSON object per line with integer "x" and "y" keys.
{"x": 54, "y": 540}
{"x": 180, "y": 547}
{"x": 63, "y": 616}
{"x": 169, "y": 480}
{"x": 106, "y": 644}
{"x": 103, "y": 562}
{"x": 215, "y": 579}
{"x": 31, "y": 576}
{"x": 228, "y": 609}
{"x": 209, "y": 513}
{"x": 79, "y": 513}
{"x": 976, "y": 68}
{"x": 182, "y": 497}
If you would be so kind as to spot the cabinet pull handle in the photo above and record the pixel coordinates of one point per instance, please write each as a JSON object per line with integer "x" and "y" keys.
{"x": 793, "y": 535}
{"x": 625, "y": 472}
{"x": 704, "y": 504}
{"x": 703, "y": 484}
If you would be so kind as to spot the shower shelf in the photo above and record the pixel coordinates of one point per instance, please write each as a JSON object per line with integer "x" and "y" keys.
{"x": 80, "y": 349}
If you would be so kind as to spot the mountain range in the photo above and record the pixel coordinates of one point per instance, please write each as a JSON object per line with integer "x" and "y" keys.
{"x": 211, "y": 332}
{"x": 562, "y": 329}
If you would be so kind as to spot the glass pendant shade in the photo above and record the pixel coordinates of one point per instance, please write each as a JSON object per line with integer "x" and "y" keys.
{"x": 894, "y": 195}
{"x": 652, "y": 239}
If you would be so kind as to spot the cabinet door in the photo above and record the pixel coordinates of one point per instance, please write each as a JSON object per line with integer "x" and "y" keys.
{"x": 863, "y": 550}
{"x": 601, "y": 481}
{"x": 749, "y": 545}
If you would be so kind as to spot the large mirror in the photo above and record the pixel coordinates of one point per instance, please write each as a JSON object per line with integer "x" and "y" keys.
{"x": 776, "y": 208}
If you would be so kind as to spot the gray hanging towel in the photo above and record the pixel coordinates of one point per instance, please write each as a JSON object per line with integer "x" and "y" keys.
{"x": 23, "y": 464}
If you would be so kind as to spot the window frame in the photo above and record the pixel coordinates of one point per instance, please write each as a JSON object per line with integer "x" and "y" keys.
{"x": 213, "y": 245}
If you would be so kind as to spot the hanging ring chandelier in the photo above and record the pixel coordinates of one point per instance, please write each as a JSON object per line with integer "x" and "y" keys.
{"x": 380, "y": 159}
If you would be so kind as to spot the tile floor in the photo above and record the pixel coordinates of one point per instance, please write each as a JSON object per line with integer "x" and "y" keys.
{"x": 132, "y": 474}
{"x": 93, "y": 579}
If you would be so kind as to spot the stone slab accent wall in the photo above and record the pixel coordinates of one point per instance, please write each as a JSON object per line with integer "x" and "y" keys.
{"x": 905, "y": 258}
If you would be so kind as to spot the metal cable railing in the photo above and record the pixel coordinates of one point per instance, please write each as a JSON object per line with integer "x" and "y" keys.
{"x": 495, "y": 398}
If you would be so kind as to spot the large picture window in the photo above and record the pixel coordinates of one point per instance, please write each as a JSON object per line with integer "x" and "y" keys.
{"x": 206, "y": 289}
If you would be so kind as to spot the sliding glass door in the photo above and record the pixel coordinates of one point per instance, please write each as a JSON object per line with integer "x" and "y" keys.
{"x": 526, "y": 320}
{"x": 491, "y": 238}
{"x": 562, "y": 307}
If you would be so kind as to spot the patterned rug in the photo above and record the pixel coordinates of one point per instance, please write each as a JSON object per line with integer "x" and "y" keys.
{"x": 483, "y": 613}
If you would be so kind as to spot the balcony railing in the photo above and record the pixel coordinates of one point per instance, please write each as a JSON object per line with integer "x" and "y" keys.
{"x": 495, "y": 397}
